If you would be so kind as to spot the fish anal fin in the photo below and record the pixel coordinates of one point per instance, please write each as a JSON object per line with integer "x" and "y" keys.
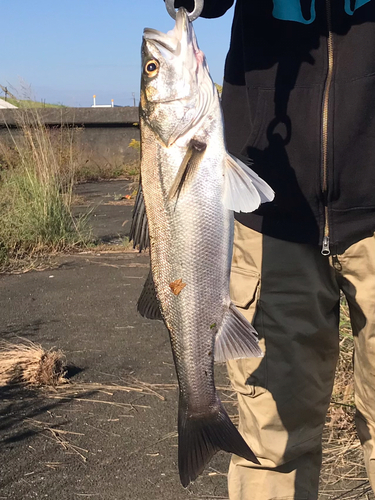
{"x": 148, "y": 304}
{"x": 236, "y": 338}
{"x": 187, "y": 168}
{"x": 201, "y": 436}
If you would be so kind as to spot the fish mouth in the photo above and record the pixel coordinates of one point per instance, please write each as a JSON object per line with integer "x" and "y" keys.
{"x": 181, "y": 35}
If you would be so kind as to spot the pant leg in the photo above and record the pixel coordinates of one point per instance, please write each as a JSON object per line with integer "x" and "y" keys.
{"x": 358, "y": 271}
{"x": 283, "y": 398}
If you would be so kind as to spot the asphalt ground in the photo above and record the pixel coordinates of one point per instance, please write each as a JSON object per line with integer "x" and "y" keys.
{"x": 111, "y": 433}
{"x": 95, "y": 439}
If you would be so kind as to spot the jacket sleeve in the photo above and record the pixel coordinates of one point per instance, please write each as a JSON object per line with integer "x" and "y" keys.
{"x": 212, "y": 8}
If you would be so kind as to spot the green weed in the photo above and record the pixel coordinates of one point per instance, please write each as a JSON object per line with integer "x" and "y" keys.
{"x": 36, "y": 189}
{"x": 28, "y": 103}
{"x": 135, "y": 145}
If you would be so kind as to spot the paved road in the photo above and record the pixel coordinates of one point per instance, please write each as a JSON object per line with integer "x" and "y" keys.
{"x": 92, "y": 441}
{"x": 110, "y": 212}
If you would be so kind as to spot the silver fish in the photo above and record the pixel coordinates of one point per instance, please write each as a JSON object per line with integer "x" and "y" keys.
{"x": 190, "y": 187}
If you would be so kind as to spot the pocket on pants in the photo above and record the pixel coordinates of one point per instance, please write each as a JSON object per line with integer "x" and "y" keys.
{"x": 244, "y": 287}
{"x": 248, "y": 376}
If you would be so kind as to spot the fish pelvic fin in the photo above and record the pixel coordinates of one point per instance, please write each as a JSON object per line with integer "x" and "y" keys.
{"x": 236, "y": 338}
{"x": 148, "y": 304}
{"x": 244, "y": 190}
{"x": 188, "y": 168}
{"x": 201, "y": 436}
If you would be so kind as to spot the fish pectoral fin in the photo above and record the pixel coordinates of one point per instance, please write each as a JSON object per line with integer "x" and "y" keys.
{"x": 187, "y": 168}
{"x": 139, "y": 227}
{"x": 201, "y": 436}
{"x": 148, "y": 304}
{"x": 244, "y": 190}
{"x": 236, "y": 338}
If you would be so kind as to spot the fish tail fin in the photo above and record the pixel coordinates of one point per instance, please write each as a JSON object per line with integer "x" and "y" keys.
{"x": 201, "y": 436}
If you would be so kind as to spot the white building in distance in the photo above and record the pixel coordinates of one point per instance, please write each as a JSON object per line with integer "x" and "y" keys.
{"x": 6, "y": 105}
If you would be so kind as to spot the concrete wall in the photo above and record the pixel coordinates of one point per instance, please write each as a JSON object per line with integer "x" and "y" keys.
{"x": 101, "y": 135}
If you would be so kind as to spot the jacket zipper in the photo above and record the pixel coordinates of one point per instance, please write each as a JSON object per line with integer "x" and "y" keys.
{"x": 325, "y": 245}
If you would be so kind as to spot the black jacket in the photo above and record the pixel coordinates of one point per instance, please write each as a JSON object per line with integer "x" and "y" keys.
{"x": 299, "y": 100}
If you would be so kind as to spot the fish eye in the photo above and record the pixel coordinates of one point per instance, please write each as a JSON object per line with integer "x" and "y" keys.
{"x": 152, "y": 68}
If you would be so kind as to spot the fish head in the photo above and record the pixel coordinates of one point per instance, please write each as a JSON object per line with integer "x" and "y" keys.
{"x": 176, "y": 87}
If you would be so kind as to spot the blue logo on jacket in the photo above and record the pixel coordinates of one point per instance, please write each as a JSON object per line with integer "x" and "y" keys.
{"x": 290, "y": 10}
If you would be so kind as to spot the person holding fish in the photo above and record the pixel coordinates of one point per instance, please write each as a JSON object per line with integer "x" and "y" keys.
{"x": 298, "y": 101}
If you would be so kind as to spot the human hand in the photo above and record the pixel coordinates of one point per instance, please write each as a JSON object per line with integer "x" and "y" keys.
{"x": 188, "y": 4}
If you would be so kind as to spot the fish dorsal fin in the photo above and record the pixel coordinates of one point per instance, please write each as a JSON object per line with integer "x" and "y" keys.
{"x": 139, "y": 227}
{"x": 187, "y": 168}
{"x": 244, "y": 190}
{"x": 148, "y": 304}
{"x": 236, "y": 338}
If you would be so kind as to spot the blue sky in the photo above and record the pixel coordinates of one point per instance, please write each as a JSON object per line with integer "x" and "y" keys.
{"x": 66, "y": 51}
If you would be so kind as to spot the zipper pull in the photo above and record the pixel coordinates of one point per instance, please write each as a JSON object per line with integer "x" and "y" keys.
{"x": 325, "y": 246}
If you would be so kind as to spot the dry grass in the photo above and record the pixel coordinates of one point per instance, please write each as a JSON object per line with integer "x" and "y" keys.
{"x": 99, "y": 169}
{"x": 59, "y": 436}
{"x": 36, "y": 191}
{"x": 31, "y": 365}
{"x": 343, "y": 475}
{"x": 76, "y": 389}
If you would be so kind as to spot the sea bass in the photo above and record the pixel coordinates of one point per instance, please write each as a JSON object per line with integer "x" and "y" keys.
{"x": 190, "y": 187}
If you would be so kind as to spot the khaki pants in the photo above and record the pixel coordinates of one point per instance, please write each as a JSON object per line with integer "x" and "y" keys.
{"x": 291, "y": 294}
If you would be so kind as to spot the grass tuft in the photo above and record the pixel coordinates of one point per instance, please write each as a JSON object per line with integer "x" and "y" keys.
{"x": 36, "y": 191}
{"x": 31, "y": 365}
